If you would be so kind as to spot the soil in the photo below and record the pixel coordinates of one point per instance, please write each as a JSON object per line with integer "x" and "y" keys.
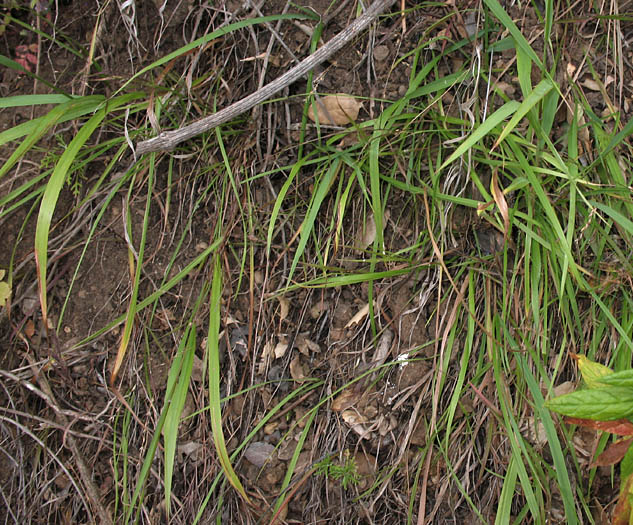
{"x": 370, "y": 420}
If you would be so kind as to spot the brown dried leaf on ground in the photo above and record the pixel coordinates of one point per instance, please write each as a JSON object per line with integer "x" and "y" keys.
{"x": 335, "y": 110}
{"x": 346, "y": 399}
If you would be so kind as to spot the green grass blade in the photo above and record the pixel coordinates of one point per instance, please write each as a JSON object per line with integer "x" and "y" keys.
{"x": 562, "y": 476}
{"x": 321, "y": 191}
{"x": 208, "y": 38}
{"x": 49, "y": 201}
{"x": 535, "y": 96}
{"x": 72, "y": 109}
{"x": 486, "y": 127}
{"x": 509, "y": 24}
{"x": 84, "y": 105}
{"x": 34, "y": 100}
{"x": 179, "y": 375}
{"x": 504, "y": 507}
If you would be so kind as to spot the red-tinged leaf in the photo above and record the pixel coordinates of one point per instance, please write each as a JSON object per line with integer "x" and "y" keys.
{"x": 613, "y": 453}
{"x": 622, "y": 511}
{"x": 621, "y": 427}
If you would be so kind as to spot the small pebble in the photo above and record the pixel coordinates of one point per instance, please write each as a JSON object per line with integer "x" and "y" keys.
{"x": 258, "y": 453}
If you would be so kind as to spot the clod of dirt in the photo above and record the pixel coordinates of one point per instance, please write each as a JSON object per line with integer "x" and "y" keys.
{"x": 366, "y": 468}
{"x": 381, "y": 53}
{"x": 335, "y": 110}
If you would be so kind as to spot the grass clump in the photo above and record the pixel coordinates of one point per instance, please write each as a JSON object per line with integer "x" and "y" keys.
{"x": 408, "y": 287}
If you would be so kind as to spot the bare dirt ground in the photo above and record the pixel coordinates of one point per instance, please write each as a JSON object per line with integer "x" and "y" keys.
{"x": 380, "y": 422}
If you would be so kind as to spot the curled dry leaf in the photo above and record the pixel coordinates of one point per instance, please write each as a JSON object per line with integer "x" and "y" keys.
{"x": 335, "y": 110}
{"x": 360, "y": 315}
{"x": 284, "y": 307}
{"x": 369, "y": 233}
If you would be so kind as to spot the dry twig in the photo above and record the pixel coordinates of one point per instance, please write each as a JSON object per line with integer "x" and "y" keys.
{"x": 169, "y": 139}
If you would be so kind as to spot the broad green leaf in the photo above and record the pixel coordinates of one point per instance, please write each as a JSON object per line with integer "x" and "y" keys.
{"x": 620, "y": 379}
{"x": 610, "y": 402}
{"x": 592, "y": 372}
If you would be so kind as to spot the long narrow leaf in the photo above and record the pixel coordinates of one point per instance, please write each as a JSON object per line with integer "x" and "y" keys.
{"x": 486, "y": 127}
{"x": 179, "y": 372}
{"x": 214, "y": 380}
{"x": 535, "y": 96}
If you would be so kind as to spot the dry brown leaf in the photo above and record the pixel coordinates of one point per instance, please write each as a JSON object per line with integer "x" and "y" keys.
{"x": 591, "y": 84}
{"x": 346, "y": 399}
{"x": 621, "y": 427}
{"x": 296, "y": 369}
{"x": 280, "y": 349}
{"x": 335, "y": 110}
{"x": 360, "y": 315}
{"x": 613, "y": 454}
{"x": 284, "y": 307}
{"x": 369, "y": 233}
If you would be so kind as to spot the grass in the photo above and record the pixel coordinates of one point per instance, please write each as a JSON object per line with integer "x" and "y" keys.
{"x": 508, "y": 232}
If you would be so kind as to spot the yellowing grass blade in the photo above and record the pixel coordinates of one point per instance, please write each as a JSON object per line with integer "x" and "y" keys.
{"x": 214, "y": 380}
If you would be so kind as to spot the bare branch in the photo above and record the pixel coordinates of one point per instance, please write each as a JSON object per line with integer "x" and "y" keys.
{"x": 169, "y": 139}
